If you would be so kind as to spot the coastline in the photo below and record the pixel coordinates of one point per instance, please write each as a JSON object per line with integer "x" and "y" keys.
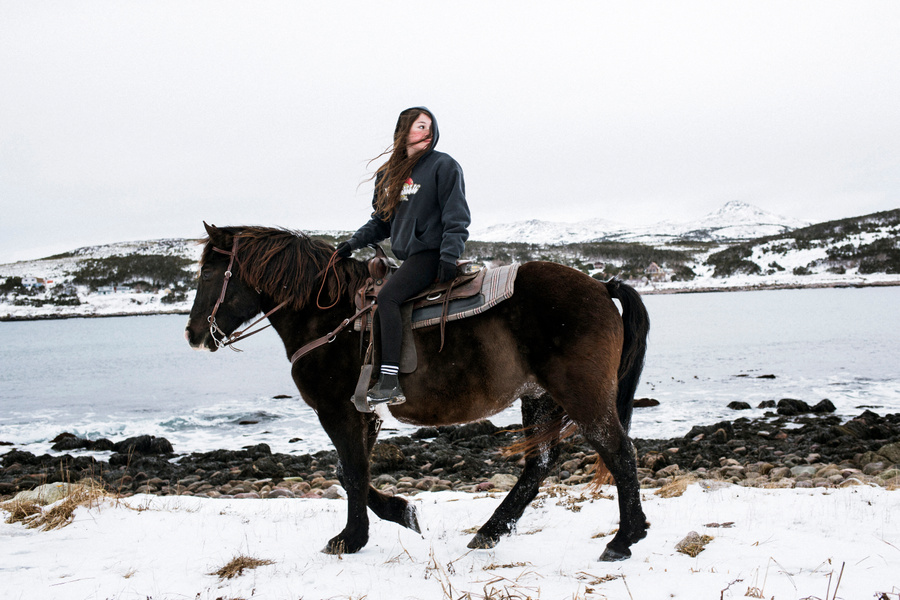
{"x": 184, "y": 308}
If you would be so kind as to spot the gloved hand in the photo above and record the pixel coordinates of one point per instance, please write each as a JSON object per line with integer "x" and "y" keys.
{"x": 446, "y": 271}
{"x": 344, "y": 250}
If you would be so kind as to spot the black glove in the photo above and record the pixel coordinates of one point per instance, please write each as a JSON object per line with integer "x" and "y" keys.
{"x": 344, "y": 250}
{"x": 446, "y": 271}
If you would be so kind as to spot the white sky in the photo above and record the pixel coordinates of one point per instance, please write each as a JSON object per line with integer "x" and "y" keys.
{"x": 138, "y": 120}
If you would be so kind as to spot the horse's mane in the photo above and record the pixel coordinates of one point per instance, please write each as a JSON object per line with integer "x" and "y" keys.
{"x": 289, "y": 265}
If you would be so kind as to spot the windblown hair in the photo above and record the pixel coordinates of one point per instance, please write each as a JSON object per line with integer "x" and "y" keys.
{"x": 392, "y": 175}
{"x": 289, "y": 265}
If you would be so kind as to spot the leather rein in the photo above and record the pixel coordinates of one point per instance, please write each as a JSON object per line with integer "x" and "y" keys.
{"x": 228, "y": 341}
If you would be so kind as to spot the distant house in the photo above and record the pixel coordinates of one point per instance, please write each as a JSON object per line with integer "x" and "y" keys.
{"x": 114, "y": 289}
{"x": 655, "y": 273}
{"x": 33, "y": 283}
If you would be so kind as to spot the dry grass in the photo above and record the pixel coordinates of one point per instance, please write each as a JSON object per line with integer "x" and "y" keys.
{"x": 675, "y": 488}
{"x": 693, "y": 544}
{"x": 57, "y": 515}
{"x": 236, "y": 566}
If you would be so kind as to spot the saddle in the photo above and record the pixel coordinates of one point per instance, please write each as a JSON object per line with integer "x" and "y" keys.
{"x": 467, "y": 283}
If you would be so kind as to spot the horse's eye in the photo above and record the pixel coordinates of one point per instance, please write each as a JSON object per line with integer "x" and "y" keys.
{"x": 204, "y": 274}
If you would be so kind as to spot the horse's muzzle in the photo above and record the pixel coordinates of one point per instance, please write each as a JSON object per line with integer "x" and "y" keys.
{"x": 199, "y": 340}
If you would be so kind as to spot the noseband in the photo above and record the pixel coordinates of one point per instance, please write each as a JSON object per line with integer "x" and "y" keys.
{"x": 213, "y": 326}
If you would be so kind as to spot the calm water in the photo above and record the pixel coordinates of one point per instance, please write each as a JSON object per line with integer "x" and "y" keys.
{"x": 126, "y": 376}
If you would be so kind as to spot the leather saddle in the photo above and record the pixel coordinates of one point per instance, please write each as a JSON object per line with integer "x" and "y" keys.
{"x": 467, "y": 283}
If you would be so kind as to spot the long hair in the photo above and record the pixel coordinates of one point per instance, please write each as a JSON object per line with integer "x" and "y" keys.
{"x": 393, "y": 174}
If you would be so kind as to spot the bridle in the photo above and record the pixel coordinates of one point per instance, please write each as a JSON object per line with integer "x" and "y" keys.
{"x": 214, "y": 327}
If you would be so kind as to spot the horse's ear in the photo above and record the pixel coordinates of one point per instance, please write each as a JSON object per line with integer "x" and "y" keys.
{"x": 213, "y": 232}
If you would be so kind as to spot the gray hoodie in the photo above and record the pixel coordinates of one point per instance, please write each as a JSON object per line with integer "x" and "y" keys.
{"x": 433, "y": 213}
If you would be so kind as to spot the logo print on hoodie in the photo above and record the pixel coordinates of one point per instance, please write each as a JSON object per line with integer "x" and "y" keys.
{"x": 409, "y": 189}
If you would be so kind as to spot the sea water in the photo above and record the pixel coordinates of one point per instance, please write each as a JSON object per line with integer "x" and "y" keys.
{"x": 125, "y": 376}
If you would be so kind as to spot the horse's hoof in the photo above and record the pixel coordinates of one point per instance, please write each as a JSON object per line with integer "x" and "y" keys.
{"x": 334, "y": 549}
{"x": 337, "y": 547}
{"x": 611, "y": 555}
{"x": 483, "y": 542}
{"x": 411, "y": 518}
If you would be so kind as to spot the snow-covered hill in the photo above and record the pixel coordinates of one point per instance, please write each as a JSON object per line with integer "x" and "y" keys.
{"x": 744, "y": 248}
{"x": 735, "y": 221}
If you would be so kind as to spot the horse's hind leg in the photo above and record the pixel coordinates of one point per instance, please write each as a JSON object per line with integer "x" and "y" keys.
{"x": 537, "y": 413}
{"x": 616, "y": 450}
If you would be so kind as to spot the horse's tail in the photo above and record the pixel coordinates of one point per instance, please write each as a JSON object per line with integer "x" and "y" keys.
{"x": 637, "y": 325}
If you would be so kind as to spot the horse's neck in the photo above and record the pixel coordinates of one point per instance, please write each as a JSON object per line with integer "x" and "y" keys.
{"x": 298, "y": 327}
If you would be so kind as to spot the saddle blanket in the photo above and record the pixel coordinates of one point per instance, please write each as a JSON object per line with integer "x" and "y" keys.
{"x": 498, "y": 286}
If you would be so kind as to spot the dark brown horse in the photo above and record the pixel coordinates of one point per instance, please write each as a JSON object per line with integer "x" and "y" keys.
{"x": 558, "y": 343}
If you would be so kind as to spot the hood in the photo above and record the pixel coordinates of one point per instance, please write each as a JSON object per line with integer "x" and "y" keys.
{"x": 435, "y": 134}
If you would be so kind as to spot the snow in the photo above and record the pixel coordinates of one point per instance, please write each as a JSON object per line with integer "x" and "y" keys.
{"x": 784, "y": 544}
{"x": 733, "y": 221}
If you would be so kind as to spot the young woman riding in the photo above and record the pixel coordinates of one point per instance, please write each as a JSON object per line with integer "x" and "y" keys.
{"x": 420, "y": 204}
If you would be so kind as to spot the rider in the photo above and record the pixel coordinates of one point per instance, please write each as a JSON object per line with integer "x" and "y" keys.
{"x": 420, "y": 204}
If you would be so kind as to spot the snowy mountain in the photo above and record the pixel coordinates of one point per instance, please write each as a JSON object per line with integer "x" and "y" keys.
{"x": 735, "y": 221}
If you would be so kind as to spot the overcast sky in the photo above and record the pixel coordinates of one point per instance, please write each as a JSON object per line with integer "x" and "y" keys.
{"x": 138, "y": 120}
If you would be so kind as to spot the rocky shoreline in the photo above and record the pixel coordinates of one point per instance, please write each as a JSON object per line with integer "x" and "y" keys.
{"x": 791, "y": 446}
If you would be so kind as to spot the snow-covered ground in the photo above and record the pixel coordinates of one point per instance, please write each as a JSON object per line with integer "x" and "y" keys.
{"x": 766, "y": 543}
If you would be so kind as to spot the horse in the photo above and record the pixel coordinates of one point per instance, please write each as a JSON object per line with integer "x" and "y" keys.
{"x": 558, "y": 343}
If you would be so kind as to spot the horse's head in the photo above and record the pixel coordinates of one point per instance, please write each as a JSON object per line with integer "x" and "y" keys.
{"x": 224, "y": 301}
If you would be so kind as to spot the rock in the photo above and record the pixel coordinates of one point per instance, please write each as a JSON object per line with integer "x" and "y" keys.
{"x": 738, "y": 405}
{"x": 384, "y": 479}
{"x": 334, "y": 492}
{"x": 386, "y": 457}
{"x": 654, "y": 461}
{"x": 258, "y": 450}
{"x": 504, "y": 482}
{"x": 47, "y": 493}
{"x": 824, "y": 406}
{"x": 670, "y": 471}
{"x": 645, "y": 402}
{"x": 891, "y": 452}
{"x": 571, "y": 465}
{"x": 67, "y": 441}
{"x": 693, "y": 544}
{"x": 874, "y": 468}
{"x": 144, "y": 444}
{"x": 778, "y": 473}
{"x": 801, "y": 471}
{"x": 790, "y": 407}
{"x": 720, "y": 436}
{"x": 889, "y": 474}
{"x": 766, "y": 404}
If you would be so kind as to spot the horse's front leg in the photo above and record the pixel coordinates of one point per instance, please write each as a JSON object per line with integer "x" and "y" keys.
{"x": 347, "y": 429}
{"x": 388, "y": 508}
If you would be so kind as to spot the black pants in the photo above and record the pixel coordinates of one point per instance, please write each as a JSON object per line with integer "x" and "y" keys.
{"x": 415, "y": 274}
